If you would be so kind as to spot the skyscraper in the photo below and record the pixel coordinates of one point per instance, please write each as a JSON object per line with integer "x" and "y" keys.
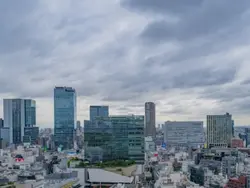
{"x": 64, "y": 116}
{"x": 98, "y": 111}
{"x": 30, "y": 112}
{"x": 18, "y": 114}
{"x": 150, "y": 129}
{"x": 219, "y": 130}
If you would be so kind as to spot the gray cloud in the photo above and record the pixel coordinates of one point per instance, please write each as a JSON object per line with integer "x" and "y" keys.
{"x": 186, "y": 51}
{"x": 196, "y": 18}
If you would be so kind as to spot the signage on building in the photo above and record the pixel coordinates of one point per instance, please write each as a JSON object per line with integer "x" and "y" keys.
{"x": 163, "y": 145}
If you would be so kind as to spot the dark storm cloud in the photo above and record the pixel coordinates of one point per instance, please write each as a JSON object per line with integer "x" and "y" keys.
{"x": 204, "y": 77}
{"x": 196, "y": 20}
{"x": 146, "y": 80}
{"x": 18, "y": 28}
{"x": 162, "y": 6}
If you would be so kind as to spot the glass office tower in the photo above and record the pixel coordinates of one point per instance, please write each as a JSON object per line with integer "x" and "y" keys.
{"x": 18, "y": 115}
{"x": 30, "y": 112}
{"x": 119, "y": 137}
{"x": 64, "y": 116}
{"x": 98, "y": 111}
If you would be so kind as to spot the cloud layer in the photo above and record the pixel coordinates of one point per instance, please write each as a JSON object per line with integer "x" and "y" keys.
{"x": 190, "y": 58}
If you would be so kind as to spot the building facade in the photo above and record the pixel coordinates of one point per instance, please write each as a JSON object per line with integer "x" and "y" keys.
{"x": 1, "y": 122}
{"x": 247, "y": 131}
{"x": 237, "y": 143}
{"x": 229, "y": 166}
{"x": 184, "y": 133}
{"x": 150, "y": 129}
{"x": 30, "y": 112}
{"x": 219, "y": 130}
{"x": 31, "y": 135}
{"x": 18, "y": 114}
{"x": 98, "y": 111}
{"x": 64, "y": 116}
{"x": 119, "y": 137}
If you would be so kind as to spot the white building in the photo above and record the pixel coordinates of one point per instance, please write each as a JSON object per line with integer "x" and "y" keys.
{"x": 219, "y": 130}
{"x": 149, "y": 144}
{"x": 184, "y": 133}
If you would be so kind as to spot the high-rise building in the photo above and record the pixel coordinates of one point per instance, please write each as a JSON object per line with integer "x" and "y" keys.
{"x": 219, "y": 130}
{"x": 30, "y": 112}
{"x": 150, "y": 129}
{"x": 98, "y": 111}
{"x": 64, "y": 116}
{"x": 78, "y": 125}
{"x": 18, "y": 114}
{"x": 115, "y": 137}
{"x": 247, "y": 131}
{"x": 184, "y": 133}
{"x": 229, "y": 166}
{"x": 232, "y": 128}
{"x": 1, "y": 123}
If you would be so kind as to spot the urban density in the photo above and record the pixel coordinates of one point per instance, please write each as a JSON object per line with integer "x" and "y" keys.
{"x": 110, "y": 150}
{"x": 124, "y": 94}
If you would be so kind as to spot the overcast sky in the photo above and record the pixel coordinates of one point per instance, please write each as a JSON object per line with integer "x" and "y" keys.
{"x": 189, "y": 57}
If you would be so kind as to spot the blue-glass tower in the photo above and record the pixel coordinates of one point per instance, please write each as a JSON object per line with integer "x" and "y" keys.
{"x": 98, "y": 111}
{"x": 30, "y": 112}
{"x": 64, "y": 116}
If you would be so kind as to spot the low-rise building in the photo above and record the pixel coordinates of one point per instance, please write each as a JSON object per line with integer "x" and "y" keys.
{"x": 237, "y": 182}
{"x": 237, "y": 143}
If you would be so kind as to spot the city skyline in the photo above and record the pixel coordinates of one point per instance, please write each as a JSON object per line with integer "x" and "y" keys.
{"x": 125, "y": 53}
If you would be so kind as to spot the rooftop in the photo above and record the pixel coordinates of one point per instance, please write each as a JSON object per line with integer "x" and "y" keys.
{"x": 99, "y": 175}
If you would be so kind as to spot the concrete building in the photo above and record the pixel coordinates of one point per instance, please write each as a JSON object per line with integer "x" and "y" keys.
{"x": 229, "y": 166}
{"x": 98, "y": 111}
{"x": 150, "y": 129}
{"x": 18, "y": 114}
{"x": 184, "y": 133}
{"x": 219, "y": 130}
{"x": 149, "y": 144}
{"x": 64, "y": 116}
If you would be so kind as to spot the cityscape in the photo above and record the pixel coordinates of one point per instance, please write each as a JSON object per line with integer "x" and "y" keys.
{"x": 111, "y": 150}
{"x": 124, "y": 94}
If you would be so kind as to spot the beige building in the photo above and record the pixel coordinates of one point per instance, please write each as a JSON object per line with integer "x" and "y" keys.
{"x": 219, "y": 130}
